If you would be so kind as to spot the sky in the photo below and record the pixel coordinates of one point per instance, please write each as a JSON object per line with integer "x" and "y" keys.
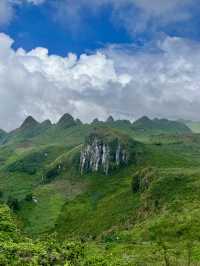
{"x": 92, "y": 58}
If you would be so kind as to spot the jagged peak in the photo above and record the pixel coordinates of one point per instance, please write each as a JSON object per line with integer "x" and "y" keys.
{"x": 46, "y": 123}
{"x": 66, "y": 120}
{"x": 29, "y": 122}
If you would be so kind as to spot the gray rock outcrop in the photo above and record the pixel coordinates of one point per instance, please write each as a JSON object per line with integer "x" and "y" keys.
{"x": 98, "y": 154}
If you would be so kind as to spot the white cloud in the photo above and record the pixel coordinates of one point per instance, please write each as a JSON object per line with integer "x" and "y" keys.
{"x": 134, "y": 15}
{"x": 156, "y": 13}
{"x": 36, "y": 83}
{"x": 117, "y": 80}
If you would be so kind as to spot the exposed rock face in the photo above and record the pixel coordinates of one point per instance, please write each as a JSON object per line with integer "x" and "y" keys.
{"x": 99, "y": 154}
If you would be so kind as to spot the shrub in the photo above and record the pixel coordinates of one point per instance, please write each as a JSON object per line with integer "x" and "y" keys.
{"x": 13, "y": 203}
{"x": 142, "y": 179}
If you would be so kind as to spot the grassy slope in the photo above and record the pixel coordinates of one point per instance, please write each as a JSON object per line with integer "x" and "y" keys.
{"x": 25, "y": 159}
{"x": 97, "y": 206}
{"x": 109, "y": 200}
{"x": 122, "y": 220}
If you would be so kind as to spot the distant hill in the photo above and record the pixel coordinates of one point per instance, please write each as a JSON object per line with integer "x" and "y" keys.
{"x": 66, "y": 121}
{"x": 72, "y": 131}
{"x": 2, "y": 135}
{"x": 193, "y": 125}
{"x": 160, "y": 126}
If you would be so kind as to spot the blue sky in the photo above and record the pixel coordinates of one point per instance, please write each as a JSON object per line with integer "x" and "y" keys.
{"x": 35, "y": 26}
{"x": 92, "y": 58}
{"x": 46, "y": 26}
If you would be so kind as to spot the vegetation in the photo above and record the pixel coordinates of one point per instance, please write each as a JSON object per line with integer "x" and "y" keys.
{"x": 158, "y": 126}
{"x": 146, "y": 213}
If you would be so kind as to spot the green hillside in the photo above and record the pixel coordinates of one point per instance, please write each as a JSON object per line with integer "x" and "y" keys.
{"x": 159, "y": 126}
{"x": 105, "y": 193}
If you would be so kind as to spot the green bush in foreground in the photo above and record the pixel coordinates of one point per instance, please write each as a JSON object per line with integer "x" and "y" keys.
{"x": 166, "y": 240}
{"x": 18, "y": 250}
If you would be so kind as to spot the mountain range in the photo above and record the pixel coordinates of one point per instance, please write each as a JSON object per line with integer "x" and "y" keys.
{"x": 127, "y": 190}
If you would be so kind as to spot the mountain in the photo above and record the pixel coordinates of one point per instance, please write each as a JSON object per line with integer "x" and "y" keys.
{"x": 193, "y": 125}
{"x": 2, "y": 134}
{"x": 105, "y": 193}
{"x": 46, "y": 123}
{"x": 29, "y": 123}
{"x": 160, "y": 126}
{"x": 28, "y": 130}
{"x": 66, "y": 121}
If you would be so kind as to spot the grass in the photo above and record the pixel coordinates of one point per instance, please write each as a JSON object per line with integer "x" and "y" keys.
{"x": 103, "y": 210}
{"x": 108, "y": 202}
{"x": 34, "y": 214}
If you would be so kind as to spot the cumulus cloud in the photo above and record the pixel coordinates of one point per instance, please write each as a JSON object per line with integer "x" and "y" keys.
{"x": 47, "y": 86}
{"x": 127, "y": 82}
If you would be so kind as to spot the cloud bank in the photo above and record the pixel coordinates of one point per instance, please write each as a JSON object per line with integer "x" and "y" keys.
{"x": 127, "y": 82}
{"x": 136, "y": 16}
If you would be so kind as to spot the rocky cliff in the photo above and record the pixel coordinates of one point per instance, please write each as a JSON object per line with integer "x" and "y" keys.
{"x": 103, "y": 152}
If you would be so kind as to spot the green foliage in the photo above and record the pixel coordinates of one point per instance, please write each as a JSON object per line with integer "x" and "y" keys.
{"x": 142, "y": 179}
{"x": 13, "y": 203}
{"x": 18, "y": 250}
{"x": 145, "y": 213}
{"x": 31, "y": 162}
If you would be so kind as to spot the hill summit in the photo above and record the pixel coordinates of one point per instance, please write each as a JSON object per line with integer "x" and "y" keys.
{"x": 160, "y": 126}
{"x": 66, "y": 121}
{"x": 29, "y": 122}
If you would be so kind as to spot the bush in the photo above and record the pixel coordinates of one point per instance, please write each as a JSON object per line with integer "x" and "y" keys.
{"x": 13, "y": 203}
{"x": 142, "y": 179}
